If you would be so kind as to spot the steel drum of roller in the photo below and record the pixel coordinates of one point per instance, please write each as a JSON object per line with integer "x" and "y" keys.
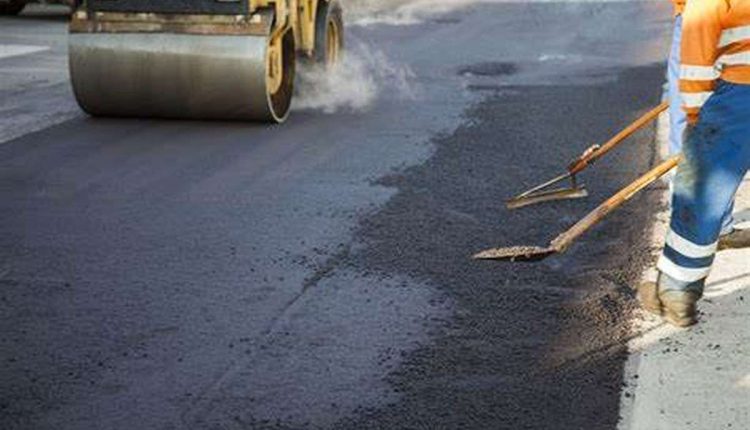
{"x": 168, "y": 75}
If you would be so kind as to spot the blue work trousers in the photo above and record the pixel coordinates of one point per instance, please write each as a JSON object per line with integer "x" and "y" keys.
{"x": 677, "y": 117}
{"x": 717, "y": 158}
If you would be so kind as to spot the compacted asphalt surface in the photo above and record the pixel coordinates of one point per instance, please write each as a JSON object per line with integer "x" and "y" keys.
{"x": 317, "y": 275}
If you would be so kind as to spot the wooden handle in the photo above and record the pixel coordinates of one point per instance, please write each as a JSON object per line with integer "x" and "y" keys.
{"x": 596, "y": 152}
{"x": 564, "y": 240}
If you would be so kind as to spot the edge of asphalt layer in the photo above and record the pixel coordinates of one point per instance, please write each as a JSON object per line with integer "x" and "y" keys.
{"x": 658, "y": 229}
{"x": 528, "y": 345}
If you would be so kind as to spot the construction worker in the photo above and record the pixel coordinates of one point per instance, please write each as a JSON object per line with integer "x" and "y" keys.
{"x": 730, "y": 237}
{"x": 715, "y": 87}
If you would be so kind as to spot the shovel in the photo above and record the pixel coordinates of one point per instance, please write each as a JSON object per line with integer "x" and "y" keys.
{"x": 543, "y": 193}
{"x": 561, "y": 243}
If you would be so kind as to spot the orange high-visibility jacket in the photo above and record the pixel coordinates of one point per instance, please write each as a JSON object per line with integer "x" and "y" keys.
{"x": 679, "y": 6}
{"x": 715, "y": 44}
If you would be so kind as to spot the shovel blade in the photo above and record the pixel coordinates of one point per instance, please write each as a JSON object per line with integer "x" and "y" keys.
{"x": 546, "y": 196}
{"x": 516, "y": 253}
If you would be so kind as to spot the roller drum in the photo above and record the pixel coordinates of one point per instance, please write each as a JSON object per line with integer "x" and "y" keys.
{"x": 175, "y": 76}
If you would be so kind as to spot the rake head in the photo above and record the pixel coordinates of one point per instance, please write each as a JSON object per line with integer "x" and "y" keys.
{"x": 546, "y": 196}
{"x": 543, "y": 193}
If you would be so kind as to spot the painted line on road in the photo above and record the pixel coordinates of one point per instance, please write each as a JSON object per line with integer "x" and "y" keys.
{"x": 7, "y": 51}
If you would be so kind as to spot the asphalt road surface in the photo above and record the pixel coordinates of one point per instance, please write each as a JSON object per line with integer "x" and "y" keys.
{"x": 316, "y": 275}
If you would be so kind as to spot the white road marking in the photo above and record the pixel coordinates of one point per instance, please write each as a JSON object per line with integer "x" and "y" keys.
{"x": 16, "y": 50}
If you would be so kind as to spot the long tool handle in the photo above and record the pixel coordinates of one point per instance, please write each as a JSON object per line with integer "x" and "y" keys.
{"x": 564, "y": 240}
{"x": 596, "y": 152}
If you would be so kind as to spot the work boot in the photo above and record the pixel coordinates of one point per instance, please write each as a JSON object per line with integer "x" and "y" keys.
{"x": 648, "y": 295}
{"x": 678, "y": 307}
{"x": 734, "y": 240}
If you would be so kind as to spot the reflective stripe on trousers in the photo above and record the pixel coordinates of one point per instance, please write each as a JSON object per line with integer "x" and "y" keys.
{"x": 717, "y": 158}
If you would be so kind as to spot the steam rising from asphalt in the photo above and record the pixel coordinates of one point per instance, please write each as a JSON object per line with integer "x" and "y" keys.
{"x": 355, "y": 83}
{"x": 366, "y": 73}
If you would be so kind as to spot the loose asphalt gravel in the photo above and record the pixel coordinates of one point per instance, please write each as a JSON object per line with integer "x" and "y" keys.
{"x": 168, "y": 274}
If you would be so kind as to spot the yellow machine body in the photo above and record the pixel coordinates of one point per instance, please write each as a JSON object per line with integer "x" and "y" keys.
{"x": 191, "y": 65}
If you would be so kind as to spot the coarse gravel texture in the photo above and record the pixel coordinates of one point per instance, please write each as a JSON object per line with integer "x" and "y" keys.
{"x": 534, "y": 345}
{"x": 211, "y": 275}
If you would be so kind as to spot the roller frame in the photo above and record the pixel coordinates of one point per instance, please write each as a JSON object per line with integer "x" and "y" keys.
{"x": 133, "y": 32}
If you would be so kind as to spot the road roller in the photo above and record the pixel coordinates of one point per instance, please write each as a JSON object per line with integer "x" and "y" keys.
{"x": 198, "y": 59}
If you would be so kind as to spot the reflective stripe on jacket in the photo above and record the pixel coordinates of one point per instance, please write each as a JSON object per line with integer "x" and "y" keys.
{"x": 715, "y": 44}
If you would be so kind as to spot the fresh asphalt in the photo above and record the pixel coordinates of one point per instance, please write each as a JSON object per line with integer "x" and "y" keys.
{"x": 214, "y": 275}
